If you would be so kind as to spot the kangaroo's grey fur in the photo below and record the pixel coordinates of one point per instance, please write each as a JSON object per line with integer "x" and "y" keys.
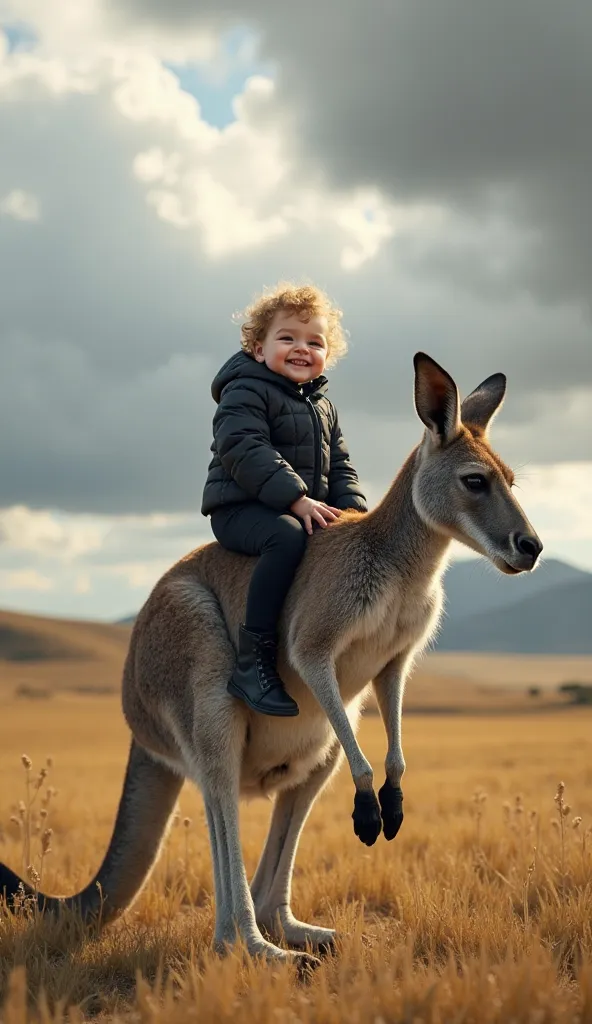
{"x": 366, "y": 600}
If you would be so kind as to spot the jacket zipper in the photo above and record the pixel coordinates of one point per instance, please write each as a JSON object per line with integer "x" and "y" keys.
{"x": 318, "y": 447}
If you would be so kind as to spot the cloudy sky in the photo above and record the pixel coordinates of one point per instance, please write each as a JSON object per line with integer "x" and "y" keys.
{"x": 430, "y": 164}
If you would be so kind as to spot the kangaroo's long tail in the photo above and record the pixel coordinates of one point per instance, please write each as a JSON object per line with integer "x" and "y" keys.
{"x": 150, "y": 792}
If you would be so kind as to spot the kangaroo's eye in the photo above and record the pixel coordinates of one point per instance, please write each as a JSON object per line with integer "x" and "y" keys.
{"x": 475, "y": 482}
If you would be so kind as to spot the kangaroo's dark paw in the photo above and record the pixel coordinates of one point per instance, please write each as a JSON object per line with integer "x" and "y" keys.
{"x": 391, "y": 809}
{"x": 366, "y": 816}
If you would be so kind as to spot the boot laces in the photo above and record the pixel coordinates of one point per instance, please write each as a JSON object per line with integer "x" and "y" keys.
{"x": 265, "y": 665}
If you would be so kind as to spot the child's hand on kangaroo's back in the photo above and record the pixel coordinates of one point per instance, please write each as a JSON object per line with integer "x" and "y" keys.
{"x": 308, "y": 509}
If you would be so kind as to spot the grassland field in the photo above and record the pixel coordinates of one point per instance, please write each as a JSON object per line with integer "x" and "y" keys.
{"x": 479, "y": 911}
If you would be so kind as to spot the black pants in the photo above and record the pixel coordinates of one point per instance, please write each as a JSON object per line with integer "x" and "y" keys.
{"x": 279, "y": 539}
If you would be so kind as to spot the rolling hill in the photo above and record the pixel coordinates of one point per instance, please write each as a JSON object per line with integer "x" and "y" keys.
{"x": 40, "y": 655}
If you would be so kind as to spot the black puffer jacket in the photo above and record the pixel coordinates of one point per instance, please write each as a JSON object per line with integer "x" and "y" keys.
{"x": 275, "y": 441}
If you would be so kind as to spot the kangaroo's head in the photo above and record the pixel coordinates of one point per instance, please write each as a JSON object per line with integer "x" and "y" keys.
{"x": 462, "y": 488}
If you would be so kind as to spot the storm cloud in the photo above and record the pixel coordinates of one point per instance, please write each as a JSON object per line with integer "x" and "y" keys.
{"x": 429, "y": 164}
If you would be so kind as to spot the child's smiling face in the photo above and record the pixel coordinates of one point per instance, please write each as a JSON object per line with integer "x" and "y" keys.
{"x": 294, "y": 348}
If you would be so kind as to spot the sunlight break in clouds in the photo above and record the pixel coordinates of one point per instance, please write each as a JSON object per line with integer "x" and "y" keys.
{"x": 20, "y": 205}
{"x": 237, "y": 186}
{"x": 25, "y": 579}
{"x": 42, "y": 532}
{"x": 562, "y": 497}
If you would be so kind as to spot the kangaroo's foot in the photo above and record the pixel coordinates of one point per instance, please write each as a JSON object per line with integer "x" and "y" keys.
{"x": 281, "y": 925}
{"x": 366, "y": 816}
{"x": 260, "y": 948}
{"x": 391, "y": 808}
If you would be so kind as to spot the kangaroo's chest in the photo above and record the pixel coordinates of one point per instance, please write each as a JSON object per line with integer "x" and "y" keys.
{"x": 281, "y": 753}
{"x": 392, "y": 626}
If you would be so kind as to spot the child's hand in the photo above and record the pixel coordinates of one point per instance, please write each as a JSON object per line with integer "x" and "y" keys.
{"x": 307, "y": 509}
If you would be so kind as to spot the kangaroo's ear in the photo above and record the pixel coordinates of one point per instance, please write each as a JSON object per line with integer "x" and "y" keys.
{"x": 436, "y": 399}
{"x": 480, "y": 407}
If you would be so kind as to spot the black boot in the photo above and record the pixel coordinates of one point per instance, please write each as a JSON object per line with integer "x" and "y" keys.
{"x": 255, "y": 679}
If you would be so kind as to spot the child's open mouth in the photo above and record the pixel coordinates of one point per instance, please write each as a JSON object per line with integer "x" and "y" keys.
{"x": 298, "y": 362}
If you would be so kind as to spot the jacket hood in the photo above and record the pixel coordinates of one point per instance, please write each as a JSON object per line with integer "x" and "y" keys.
{"x": 242, "y": 365}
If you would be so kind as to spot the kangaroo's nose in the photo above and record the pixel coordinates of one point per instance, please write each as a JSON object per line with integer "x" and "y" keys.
{"x": 528, "y": 544}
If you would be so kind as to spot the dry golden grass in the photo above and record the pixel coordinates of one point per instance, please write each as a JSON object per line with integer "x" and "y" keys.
{"x": 459, "y": 919}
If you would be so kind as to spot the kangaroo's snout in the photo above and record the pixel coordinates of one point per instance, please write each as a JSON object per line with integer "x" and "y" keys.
{"x": 528, "y": 547}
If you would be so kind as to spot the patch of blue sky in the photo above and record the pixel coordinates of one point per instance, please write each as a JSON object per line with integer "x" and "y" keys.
{"x": 215, "y": 83}
{"x": 20, "y": 36}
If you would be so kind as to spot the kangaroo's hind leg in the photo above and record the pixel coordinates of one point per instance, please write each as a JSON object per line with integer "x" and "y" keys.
{"x": 217, "y": 745}
{"x": 236, "y": 916}
{"x": 210, "y": 730}
{"x": 272, "y": 883}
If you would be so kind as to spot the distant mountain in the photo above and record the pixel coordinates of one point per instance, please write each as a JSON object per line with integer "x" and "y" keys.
{"x": 476, "y": 586}
{"x": 127, "y": 621}
{"x": 557, "y": 620}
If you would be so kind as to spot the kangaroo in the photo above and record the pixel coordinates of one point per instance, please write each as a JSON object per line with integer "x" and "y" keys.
{"x": 366, "y": 600}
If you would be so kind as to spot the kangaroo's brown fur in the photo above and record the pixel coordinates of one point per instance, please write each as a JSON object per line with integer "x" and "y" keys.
{"x": 366, "y": 600}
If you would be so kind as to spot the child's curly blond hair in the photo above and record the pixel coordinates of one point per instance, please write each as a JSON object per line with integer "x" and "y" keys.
{"x": 306, "y": 301}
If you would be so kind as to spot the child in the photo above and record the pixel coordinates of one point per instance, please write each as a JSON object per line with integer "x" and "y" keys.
{"x": 280, "y": 466}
